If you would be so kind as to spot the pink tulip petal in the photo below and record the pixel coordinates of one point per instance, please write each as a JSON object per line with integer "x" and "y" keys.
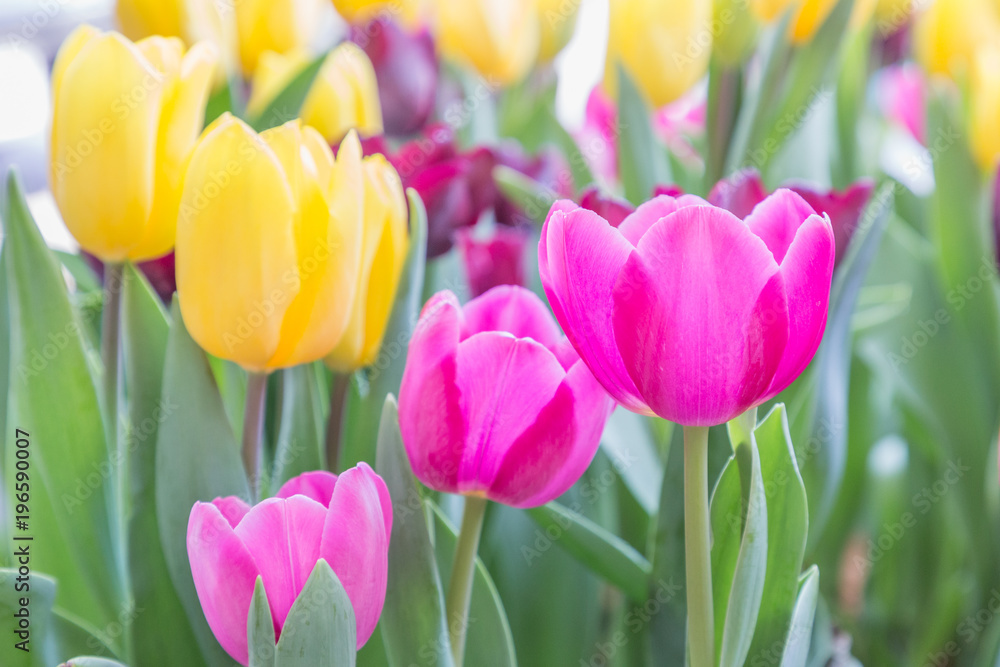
{"x": 434, "y": 445}
{"x": 552, "y": 454}
{"x": 843, "y": 208}
{"x": 579, "y": 258}
{"x": 283, "y": 536}
{"x": 776, "y": 220}
{"x": 739, "y": 193}
{"x": 505, "y": 382}
{"x": 807, "y": 271}
{"x": 355, "y": 543}
{"x": 233, "y": 508}
{"x": 224, "y": 574}
{"x": 700, "y": 317}
{"x": 512, "y": 309}
{"x": 317, "y": 485}
{"x": 652, "y": 211}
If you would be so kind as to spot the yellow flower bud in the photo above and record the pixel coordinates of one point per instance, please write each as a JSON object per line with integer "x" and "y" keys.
{"x": 497, "y": 38}
{"x": 343, "y": 96}
{"x": 948, "y": 35}
{"x": 382, "y": 256}
{"x": 274, "y": 25}
{"x": 664, "y": 45}
{"x": 125, "y": 119}
{"x": 357, "y": 12}
{"x": 557, "y": 18}
{"x": 269, "y": 243}
{"x": 984, "y": 107}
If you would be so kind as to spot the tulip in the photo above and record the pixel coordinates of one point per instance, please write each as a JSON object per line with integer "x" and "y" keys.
{"x": 949, "y": 34}
{"x": 901, "y": 97}
{"x": 688, "y": 312}
{"x": 497, "y": 38}
{"x": 598, "y": 138}
{"x": 557, "y": 19}
{"x": 664, "y": 45}
{"x": 383, "y": 252}
{"x": 984, "y": 108}
{"x": 612, "y": 209}
{"x": 360, "y": 11}
{"x": 282, "y": 26}
{"x": 495, "y": 261}
{"x": 345, "y": 520}
{"x": 269, "y": 243}
{"x": 892, "y": 15}
{"x": 406, "y": 70}
{"x": 494, "y": 402}
{"x": 809, "y": 15}
{"x": 126, "y": 117}
{"x": 343, "y": 96}
{"x": 739, "y": 193}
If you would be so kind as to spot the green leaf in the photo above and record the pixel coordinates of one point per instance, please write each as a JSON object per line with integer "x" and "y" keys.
{"x": 161, "y": 632}
{"x": 364, "y": 407}
{"x": 260, "y": 628}
{"x": 787, "y": 529}
{"x": 413, "y": 618}
{"x": 628, "y": 442}
{"x": 288, "y": 103}
{"x": 83, "y": 275}
{"x": 300, "y": 434}
{"x": 90, "y": 661}
{"x": 739, "y": 553}
{"x": 197, "y": 458}
{"x": 603, "y": 552}
{"x": 488, "y": 639}
{"x": 320, "y": 627}
{"x": 40, "y": 595}
{"x": 534, "y": 199}
{"x": 800, "y": 631}
{"x": 669, "y": 627}
{"x": 53, "y": 399}
{"x": 642, "y": 162}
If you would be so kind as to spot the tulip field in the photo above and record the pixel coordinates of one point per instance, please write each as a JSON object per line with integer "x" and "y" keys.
{"x": 498, "y": 333}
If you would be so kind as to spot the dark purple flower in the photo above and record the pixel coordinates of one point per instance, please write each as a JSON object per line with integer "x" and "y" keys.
{"x": 498, "y": 260}
{"x": 159, "y": 272}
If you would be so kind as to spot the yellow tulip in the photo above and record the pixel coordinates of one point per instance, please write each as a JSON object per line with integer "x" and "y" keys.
{"x": 274, "y": 25}
{"x": 809, "y": 15}
{"x": 984, "y": 107}
{"x": 343, "y": 96}
{"x": 950, "y": 33}
{"x": 383, "y": 254}
{"x": 126, "y": 117}
{"x": 269, "y": 243}
{"x": 557, "y": 19}
{"x": 356, "y": 12}
{"x": 497, "y": 38}
{"x": 664, "y": 45}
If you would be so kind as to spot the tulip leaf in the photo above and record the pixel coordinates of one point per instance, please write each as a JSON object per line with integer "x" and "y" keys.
{"x": 260, "y": 628}
{"x": 366, "y": 397}
{"x": 91, "y": 661}
{"x": 39, "y": 592}
{"x": 413, "y": 619}
{"x": 668, "y": 632}
{"x": 534, "y": 199}
{"x": 197, "y": 458}
{"x": 787, "y": 529}
{"x": 603, "y": 552}
{"x": 288, "y": 103}
{"x": 798, "y": 638}
{"x": 4, "y": 388}
{"x": 641, "y": 158}
{"x": 54, "y": 410}
{"x": 300, "y": 434}
{"x": 628, "y": 442}
{"x": 739, "y": 553}
{"x": 489, "y": 642}
{"x": 161, "y": 632}
{"x": 320, "y": 628}
{"x": 82, "y": 273}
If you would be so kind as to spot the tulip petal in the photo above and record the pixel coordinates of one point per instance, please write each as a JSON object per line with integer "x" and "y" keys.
{"x": 317, "y": 485}
{"x": 649, "y": 213}
{"x": 579, "y": 258}
{"x": 700, "y": 339}
{"x": 552, "y": 453}
{"x": 355, "y": 543}
{"x": 434, "y": 445}
{"x": 233, "y": 508}
{"x": 776, "y": 220}
{"x": 807, "y": 272}
{"x": 224, "y": 574}
{"x": 513, "y": 309}
{"x": 283, "y": 534}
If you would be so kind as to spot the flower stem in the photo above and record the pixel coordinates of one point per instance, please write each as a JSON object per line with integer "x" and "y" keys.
{"x": 338, "y": 394}
{"x": 697, "y": 548}
{"x": 110, "y": 334}
{"x": 462, "y": 570}
{"x": 253, "y": 429}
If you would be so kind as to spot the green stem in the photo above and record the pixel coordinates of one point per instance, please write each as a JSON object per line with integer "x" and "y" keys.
{"x": 697, "y": 548}
{"x": 110, "y": 334}
{"x": 338, "y": 394}
{"x": 253, "y": 429}
{"x": 462, "y": 570}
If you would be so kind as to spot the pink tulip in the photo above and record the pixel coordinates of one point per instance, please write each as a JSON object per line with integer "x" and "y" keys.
{"x": 611, "y": 208}
{"x": 495, "y": 402}
{"x": 344, "y": 520}
{"x": 901, "y": 97}
{"x": 598, "y": 137}
{"x": 686, "y": 311}
{"x": 844, "y": 208}
{"x": 498, "y": 260}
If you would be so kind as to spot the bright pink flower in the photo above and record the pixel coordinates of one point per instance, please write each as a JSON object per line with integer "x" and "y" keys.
{"x": 495, "y": 402}
{"x": 686, "y": 311}
{"x": 901, "y": 97}
{"x": 611, "y": 208}
{"x": 739, "y": 193}
{"x": 498, "y": 260}
{"x": 598, "y": 138}
{"x": 844, "y": 208}
{"x": 345, "y": 520}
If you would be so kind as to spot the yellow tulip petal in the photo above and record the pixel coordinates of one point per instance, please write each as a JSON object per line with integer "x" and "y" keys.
{"x": 141, "y": 18}
{"x": 69, "y": 50}
{"x": 274, "y": 25}
{"x": 273, "y": 74}
{"x": 770, "y": 10}
{"x": 985, "y": 108}
{"x": 236, "y": 255}
{"x": 810, "y": 16}
{"x": 557, "y": 19}
{"x": 163, "y": 53}
{"x": 344, "y": 96}
{"x": 947, "y": 36}
{"x": 498, "y": 38}
{"x": 106, "y": 112}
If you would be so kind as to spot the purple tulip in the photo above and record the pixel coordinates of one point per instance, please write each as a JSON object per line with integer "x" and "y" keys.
{"x": 612, "y": 209}
{"x": 498, "y": 260}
